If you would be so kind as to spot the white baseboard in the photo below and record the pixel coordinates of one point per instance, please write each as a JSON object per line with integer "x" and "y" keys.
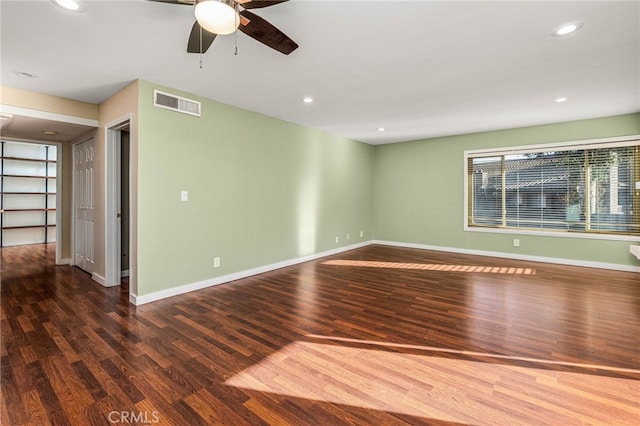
{"x": 124, "y": 273}
{"x": 571, "y": 262}
{"x": 98, "y": 278}
{"x": 175, "y": 291}
{"x": 101, "y": 280}
{"x": 66, "y": 261}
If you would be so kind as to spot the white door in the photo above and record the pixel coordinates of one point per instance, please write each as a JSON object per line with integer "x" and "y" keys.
{"x": 83, "y": 174}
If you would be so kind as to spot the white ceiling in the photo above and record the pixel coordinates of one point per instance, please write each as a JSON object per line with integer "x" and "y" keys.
{"x": 418, "y": 68}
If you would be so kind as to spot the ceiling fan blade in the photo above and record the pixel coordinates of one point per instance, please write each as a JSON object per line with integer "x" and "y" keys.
{"x": 262, "y": 31}
{"x": 255, "y": 4}
{"x": 199, "y": 39}
{"x": 185, "y": 2}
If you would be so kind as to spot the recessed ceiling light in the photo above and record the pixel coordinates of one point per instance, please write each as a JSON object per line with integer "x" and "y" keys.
{"x": 307, "y": 100}
{"x": 73, "y": 5}
{"x": 381, "y": 129}
{"x": 561, "y": 99}
{"x": 49, "y": 132}
{"x": 568, "y": 28}
{"x": 25, "y": 74}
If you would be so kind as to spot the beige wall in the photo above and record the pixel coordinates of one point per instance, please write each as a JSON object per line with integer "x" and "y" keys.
{"x": 41, "y": 102}
{"x": 117, "y": 107}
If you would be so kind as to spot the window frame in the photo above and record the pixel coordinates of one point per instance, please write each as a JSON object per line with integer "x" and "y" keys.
{"x": 621, "y": 141}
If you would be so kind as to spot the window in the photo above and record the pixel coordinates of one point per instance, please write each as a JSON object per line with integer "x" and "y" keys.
{"x": 589, "y": 187}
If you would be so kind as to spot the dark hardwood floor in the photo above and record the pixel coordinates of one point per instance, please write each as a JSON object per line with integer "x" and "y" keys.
{"x": 374, "y": 336}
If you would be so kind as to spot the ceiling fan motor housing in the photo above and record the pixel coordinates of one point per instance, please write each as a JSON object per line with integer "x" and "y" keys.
{"x": 217, "y": 16}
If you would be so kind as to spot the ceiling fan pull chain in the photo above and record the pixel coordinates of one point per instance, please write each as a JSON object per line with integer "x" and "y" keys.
{"x": 235, "y": 33}
{"x": 200, "y": 48}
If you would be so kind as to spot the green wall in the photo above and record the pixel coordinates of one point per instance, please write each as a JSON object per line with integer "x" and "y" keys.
{"x": 261, "y": 191}
{"x": 419, "y": 193}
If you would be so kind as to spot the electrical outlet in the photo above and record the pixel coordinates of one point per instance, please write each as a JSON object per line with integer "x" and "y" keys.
{"x": 337, "y": 240}
{"x": 216, "y": 262}
{"x": 348, "y": 236}
{"x": 516, "y": 242}
{"x": 361, "y": 234}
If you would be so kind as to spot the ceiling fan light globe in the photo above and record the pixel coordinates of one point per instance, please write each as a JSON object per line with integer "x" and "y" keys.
{"x": 217, "y": 16}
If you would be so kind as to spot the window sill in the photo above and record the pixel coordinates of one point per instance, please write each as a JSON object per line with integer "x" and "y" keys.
{"x": 556, "y": 234}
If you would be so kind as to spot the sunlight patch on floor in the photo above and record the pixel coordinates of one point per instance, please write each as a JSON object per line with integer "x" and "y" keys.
{"x": 432, "y": 387}
{"x": 474, "y": 354}
{"x": 434, "y": 267}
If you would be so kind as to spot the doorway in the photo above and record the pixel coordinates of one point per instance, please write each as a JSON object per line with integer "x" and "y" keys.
{"x": 118, "y": 222}
{"x": 125, "y": 209}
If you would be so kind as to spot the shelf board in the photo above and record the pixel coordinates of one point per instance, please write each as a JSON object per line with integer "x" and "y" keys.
{"x": 29, "y": 210}
{"x": 4, "y": 228}
{"x": 27, "y": 193}
{"x": 30, "y": 176}
{"x": 35, "y": 160}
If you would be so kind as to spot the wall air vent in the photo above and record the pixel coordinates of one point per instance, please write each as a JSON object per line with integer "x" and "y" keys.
{"x": 176, "y": 103}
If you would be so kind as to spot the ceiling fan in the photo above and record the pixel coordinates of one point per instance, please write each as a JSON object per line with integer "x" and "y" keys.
{"x": 219, "y": 17}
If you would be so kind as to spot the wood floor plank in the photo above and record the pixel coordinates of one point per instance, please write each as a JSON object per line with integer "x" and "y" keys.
{"x": 11, "y": 393}
{"x": 4, "y": 413}
{"x": 35, "y": 412}
{"x": 203, "y": 403}
{"x": 378, "y": 335}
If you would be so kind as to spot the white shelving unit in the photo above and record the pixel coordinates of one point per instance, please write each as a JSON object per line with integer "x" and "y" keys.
{"x": 27, "y": 193}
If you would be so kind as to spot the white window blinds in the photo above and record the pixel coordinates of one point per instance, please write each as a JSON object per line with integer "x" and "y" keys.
{"x": 581, "y": 188}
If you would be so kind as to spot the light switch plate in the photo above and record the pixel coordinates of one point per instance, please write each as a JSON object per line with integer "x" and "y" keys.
{"x": 184, "y": 196}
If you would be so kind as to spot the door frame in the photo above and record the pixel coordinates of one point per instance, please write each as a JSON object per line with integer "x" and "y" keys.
{"x": 112, "y": 238}
{"x": 59, "y": 205}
